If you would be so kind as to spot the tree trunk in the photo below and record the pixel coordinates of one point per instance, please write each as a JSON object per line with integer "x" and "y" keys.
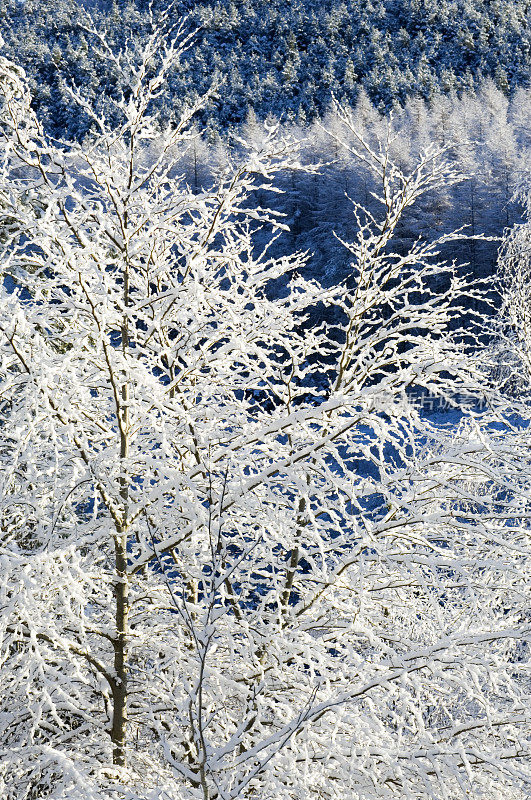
{"x": 120, "y": 694}
{"x": 119, "y": 722}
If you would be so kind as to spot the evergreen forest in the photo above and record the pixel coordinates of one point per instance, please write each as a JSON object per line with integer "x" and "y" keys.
{"x": 449, "y": 72}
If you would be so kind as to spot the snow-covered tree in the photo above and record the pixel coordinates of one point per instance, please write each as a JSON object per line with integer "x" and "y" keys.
{"x": 237, "y": 559}
{"x": 512, "y": 327}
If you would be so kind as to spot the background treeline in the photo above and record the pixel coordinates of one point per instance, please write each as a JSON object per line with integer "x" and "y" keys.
{"x": 447, "y": 72}
{"x": 488, "y": 138}
{"x": 284, "y": 57}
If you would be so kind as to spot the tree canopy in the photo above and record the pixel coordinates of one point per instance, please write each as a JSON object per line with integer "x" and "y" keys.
{"x": 277, "y": 56}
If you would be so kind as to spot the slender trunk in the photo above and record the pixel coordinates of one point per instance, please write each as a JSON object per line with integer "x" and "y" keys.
{"x": 119, "y": 722}
{"x": 295, "y": 553}
{"x": 120, "y": 689}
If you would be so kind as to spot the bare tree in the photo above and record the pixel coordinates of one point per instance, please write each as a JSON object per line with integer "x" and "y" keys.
{"x": 238, "y": 560}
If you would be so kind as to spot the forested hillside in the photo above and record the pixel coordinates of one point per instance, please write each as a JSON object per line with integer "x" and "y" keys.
{"x": 452, "y": 72}
{"x": 488, "y": 140}
{"x": 284, "y": 57}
